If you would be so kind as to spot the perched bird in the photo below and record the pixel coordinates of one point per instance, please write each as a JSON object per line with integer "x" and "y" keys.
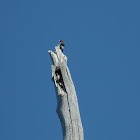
{"x": 61, "y": 45}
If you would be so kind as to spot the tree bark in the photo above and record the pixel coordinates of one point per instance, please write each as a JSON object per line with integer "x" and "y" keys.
{"x": 67, "y": 104}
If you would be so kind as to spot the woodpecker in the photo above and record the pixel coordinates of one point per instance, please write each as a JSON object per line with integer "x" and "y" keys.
{"x": 61, "y": 45}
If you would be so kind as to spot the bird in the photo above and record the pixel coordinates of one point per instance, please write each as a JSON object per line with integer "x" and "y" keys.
{"x": 62, "y": 45}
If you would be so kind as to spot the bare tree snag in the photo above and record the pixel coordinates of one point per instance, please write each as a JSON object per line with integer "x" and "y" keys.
{"x": 67, "y": 104}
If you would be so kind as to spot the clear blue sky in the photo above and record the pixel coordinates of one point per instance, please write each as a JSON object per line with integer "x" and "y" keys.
{"x": 102, "y": 41}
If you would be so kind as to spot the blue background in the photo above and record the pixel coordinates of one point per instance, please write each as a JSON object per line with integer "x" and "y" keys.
{"x": 102, "y": 41}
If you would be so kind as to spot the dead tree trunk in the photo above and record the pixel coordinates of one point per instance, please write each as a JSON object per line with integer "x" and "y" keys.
{"x": 67, "y": 104}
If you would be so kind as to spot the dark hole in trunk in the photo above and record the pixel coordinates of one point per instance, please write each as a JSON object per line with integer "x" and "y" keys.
{"x": 60, "y": 78}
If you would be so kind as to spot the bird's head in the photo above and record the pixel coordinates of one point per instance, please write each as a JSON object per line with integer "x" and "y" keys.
{"x": 61, "y": 41}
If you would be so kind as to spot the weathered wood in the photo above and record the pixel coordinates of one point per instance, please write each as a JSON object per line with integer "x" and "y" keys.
{"x": 67, "y": 104}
